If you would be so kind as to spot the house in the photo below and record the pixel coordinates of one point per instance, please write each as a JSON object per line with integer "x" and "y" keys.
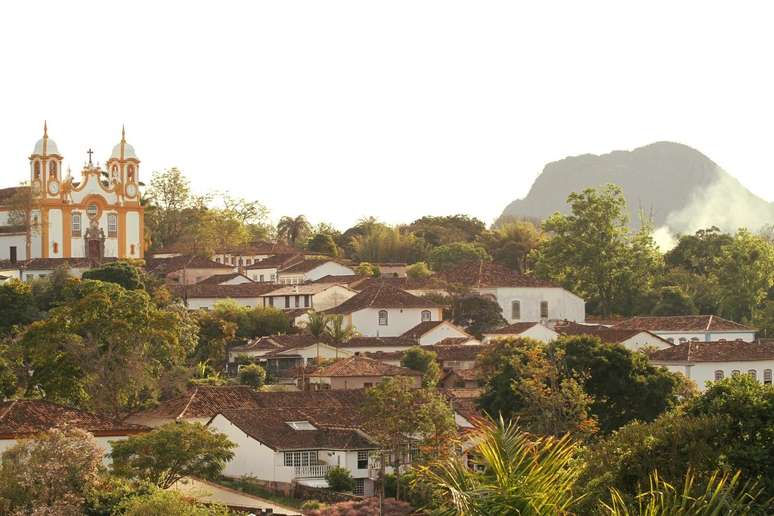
{"x": 416, "y": 286}
{"x": 22, "y": 419}
{"x": 362, "y": 345}
{"x": 633, "y": 340}
{"x": 433, "y": 332}
{"x": 35, "y": 268}
{"x": 684, "y": 328}
{"x": 284, "y": 446}
{"x": 532, "y": 330}
{"x": 311, "y": 270}
{"x": 522, "y": 298}
{"x": 384, "y": 311}
{"x": 461, "y": 379}
{"x": 198, "y": 405}
{"x": 285, "y": 363}
{"x": 267, "y": 269}
{"x": 391, "y": 270}
{"x": 254, "y": 252}
{"x": 231, "y": 278}
{"x": 449, "y": 356}
{"x": 186, "y": 269}
{"x": 705, "y": 362}
{"x": 357, "y": 372}
{"x": 206, "y": 295}
{"x": 312, "y": 296}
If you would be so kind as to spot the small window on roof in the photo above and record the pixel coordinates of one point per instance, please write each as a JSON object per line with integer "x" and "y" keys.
{"x": 301, "y": 425}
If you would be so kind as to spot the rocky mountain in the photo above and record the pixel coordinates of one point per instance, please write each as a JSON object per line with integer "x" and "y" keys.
{"x": 679, "y": 187}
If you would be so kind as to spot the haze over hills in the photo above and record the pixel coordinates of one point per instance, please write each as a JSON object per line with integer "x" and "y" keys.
{"x": 679, "y": 187}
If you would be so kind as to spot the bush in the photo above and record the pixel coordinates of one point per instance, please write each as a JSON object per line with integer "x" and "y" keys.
{"x": 167, "y": 503}
{"x": 339, "y": 479}
{"x": 310, "y": 505}
{"x": 252, "y": 375}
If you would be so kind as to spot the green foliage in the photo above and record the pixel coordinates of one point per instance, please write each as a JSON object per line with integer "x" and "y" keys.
{"x": 723, "y": 494}
{"x": 323, "y": 243}
{"x": 425, "y": 362}
{"x": 108, "y": 493}
{"x": 522, "y": 378}
{"x": 418, "y": 270}
{"x": 340, "y": 480}
{"x": 447, "y": 256}
{"x": 368, "y": 270}
{"x": 171, "y": 452}
{"x": 121, "y": 273}
{"x": 49, "y": 473}
{"x": 252, "y": 375}
{"x": 698, "y": 253}
{"x": 377, "y": 243}
{"x": 215, "y": 335}
{"x": 168, "y": 503}
{"x": 337, "y": 331}
{"x": 622, "y": 384}
{"x": 521, "y": 475}
{"x": 252, "y": 322}
{"x": 294, "y": 230}
{"x": 764, "y": 320}
{"x": 447, "y": 229}
{"x": 317, "y": 324}
{"x": 477, "y": 314}
{"x": 513, "y": 242}
{"x": 674, "y": 301}
{"x": 17, "y": 306}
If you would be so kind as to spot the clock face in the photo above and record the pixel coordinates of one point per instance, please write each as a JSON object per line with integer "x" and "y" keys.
{"x": 131, "y": 190}
{"x": 53, "y": 187}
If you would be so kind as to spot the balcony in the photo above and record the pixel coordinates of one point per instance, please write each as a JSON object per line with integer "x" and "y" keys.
{"x": 312, "y": 471}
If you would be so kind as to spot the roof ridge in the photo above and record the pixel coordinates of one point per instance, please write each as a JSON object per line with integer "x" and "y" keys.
{"x": 8, "y": 410}
{"x": 709, "y": 323}
{"x": 378, "y": 291}
{"x": 190, "y": 400}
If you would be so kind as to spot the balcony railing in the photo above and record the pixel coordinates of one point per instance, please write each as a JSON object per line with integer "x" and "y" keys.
{"x": 312, "y": 471}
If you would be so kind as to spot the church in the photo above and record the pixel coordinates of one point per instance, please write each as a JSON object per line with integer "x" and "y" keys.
{"x": 57, "y": 216}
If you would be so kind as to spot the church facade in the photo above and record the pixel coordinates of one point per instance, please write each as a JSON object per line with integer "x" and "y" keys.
{"x": 95, "y": 216}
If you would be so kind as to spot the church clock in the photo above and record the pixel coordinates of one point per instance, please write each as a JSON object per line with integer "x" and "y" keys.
{"x": 53, "y": 187}
{"x": 131, "y": 190}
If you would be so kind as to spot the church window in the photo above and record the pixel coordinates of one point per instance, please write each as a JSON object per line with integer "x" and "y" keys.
{"x": 130, "y": 173}
{"x": 515, "y": 310}
{"x": 36, "y": 170}
{"x": 767, "y": 376}
{"x": 76, "y": 225}
{"x": 91, "y": 210}
{"x": 131, "y": 249}
{"x": 52, "y": 169}
{"x": 718, "y": 375}
{"x": 112, "y": 225}
{"x": 752, "y": 373}
{"x": 55, "y": 247}
{"x": 383, "y": 318}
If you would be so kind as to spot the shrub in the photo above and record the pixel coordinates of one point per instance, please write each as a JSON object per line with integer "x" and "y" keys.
{"x": 252, "y": 375}
{"x": 339, "y": 479}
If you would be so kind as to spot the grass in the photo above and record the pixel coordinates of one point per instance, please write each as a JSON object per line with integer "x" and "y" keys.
{"x": 254, "y": 489}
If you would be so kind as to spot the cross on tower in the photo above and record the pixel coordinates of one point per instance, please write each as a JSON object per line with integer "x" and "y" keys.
{"x": 89, "y": 152}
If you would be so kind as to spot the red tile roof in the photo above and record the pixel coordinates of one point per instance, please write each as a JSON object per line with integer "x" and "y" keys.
{"x": 485, "y": 274}
{"x": 204, "y": 290}
{"x": 7, "y": 193}
{"x": 377, "y": 342}
{"x": 695, "y": 323}
{"x": 609, "y": 335}
{"x": 205, "y": 401}
{"x": 278, "y": 261}
{"x": 349, "y": 280}
{"x": 716, "y": 351}
{"x": 421, "y": 329}
{"x": 512, "y": 329}
{"x": 403, "y": 283}
{"x": 22, "y": 418}
{"x": 381, "y": 296}
{"x": 217, "y": 279}
{"x": 165, "y": 266}
{"x": 445, "y": 353}
{"x": 361, "y": 366}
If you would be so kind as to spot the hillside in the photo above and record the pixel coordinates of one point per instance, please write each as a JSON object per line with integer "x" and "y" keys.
{"x": 678, "y": 186}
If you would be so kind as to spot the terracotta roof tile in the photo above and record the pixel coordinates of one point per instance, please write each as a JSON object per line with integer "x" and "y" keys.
{"x": 20, "y": 418}
{"x": 361, "y": 366}
{"x": 512, "y": 329}
{"x": 278, "y": 261}
{"x": 7, "y": 193}
{"x": 718, "y": 351}
{"x": 377, "y": 342}
{"x": 403, "y": 283}
{"x": 306, "y": 266}
{"x": 421, "y": 329}
{"x": 682, "y": 323}
{"x": 489, "y": 274}
{"x": 164, "y": 266}
{"x": 381, "y": 296}
{"x": 217, "y": 279}
{"x": 348, "y": 280}
{"x": 609, "y": 335}
{"x": 204, "y": 290}
{"x": 205, "y": 401}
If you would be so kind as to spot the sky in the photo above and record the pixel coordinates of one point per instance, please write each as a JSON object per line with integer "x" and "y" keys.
{"x": 340, "y": 110}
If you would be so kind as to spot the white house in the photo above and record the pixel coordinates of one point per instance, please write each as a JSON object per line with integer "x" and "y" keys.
{"x": 357, "y": 372}
{"x": 428, "y": 333}
{"x": 684, "y": 328}
{"x": 22, "y": 419}
{"x": 311, "y": 270}
{"x": 313, "y": 296}
{"x": 522, "y": 298}
{"x": 186, "y": 269}
{"x": 231, "y": 278}
{"x": 633, "y": 340}
{"x": 705, "y": 362}
{"x": 267, "y": 270}
{"x": 531, "y": 330}
{"x": 205, "y": 295}
{"x": 384, "y": 311}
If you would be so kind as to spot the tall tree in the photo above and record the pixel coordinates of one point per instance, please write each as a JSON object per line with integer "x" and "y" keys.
{"x": 447, "y": 256}
{"x": 697, "y": 253}
{"x": 424, "y": 361}
{"x": 293, "y": 230}
{"x": 477, "y": 314}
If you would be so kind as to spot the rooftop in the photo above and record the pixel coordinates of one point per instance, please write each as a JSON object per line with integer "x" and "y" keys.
{"x": 205, "y": 290}
{"x": 302, "y": 289}
{"x": 512, "y": 329}
{"x": 381, "y": 296}
{"x": 217, "y": 279}
{"x": 185, "y": 261}
{"x": 682, "y": 323}
{"x": 306, "y": 265}
{"x": 485, "y": 274}
{"x": 718, "y": 351}
{"x": 278, "y": 261}
{"x": 361, "y": 366}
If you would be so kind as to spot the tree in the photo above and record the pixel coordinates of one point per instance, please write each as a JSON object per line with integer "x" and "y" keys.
{"x": 394, "y": 417}
{"x": 447, "y": 229}
{"x": 293, "y": 230}
{"x": 337, "y": 332}
{"x": 171, "y": 452}
{"x": 368, "y": 270}
{"x": 522, "y": 379}
{"x": 764, "y": 320}
{"x": 252, "y": 322}
{"x": 698, "y": 253}
{"x": 674, "y": 301}
{"x": 623, "y": 385}
{"x": 592, "y": 253}
{"x": 168, "y": 503}
{"x": 521, "y": 474}
{"x": 323, "y": 243}
{"x": 745, "y": 275}
{"x": 418, "y": 270}
{"x": 424, "y": 361}
{"x": 375, "y": 242}
{"x": 447, "y": 256}
{"x": 121, "y": 273}
{"x": 171, "y": 209}
{"x": 214, "y": 336}
{"x": 252, "y": 375}
{"x": 513, "y": 242}
{"x": 340, "y": 480}
{"x": 17, "y": 306}
{"x": 477, "y": 314}
{"x": 49, "y": 473}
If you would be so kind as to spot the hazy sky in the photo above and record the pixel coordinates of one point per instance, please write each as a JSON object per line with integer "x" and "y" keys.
{"x": 395, "y": 109}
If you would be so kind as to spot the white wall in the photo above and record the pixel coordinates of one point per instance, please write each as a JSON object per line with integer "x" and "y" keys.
{"x": 269, "y": 274}
{"x": 328, "y": 268}
{"x": 55, "y": 233}
{"x": 644, "y": 340}
{"x": 8, "y": 241}
{"x": 440, "y": 332}
{"x": 399, "y": 320}
{"x": 706, "y": 336}
{"x": 331, "y": 297}
{"x": 133, "y": 236}
{"x": 561, "y": 303}
{"x": 704, "y": 372}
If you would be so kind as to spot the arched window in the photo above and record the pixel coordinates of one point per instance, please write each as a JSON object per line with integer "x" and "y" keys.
{"x": 382, "y": 317}
{"x": 130, "y": 173}
{"x": 767, "y": 376}
{"x": 76, "y": 225}
{"x": 515, "y": 310}
{"x": 92, "y": 210}
{"x": 56, "y": 247}
{"x": 753, "y": 374}
{"x": 426, "y": 315}
{"x": 544, "y": 309}
{"x": 112, "y": 225}
{"x": 36, "y": 170}
{"x": 131, "y": 249}
{"x": 735, "y": 372}
{"x": 52, "y": 169}
{"x": 718, "y": 375}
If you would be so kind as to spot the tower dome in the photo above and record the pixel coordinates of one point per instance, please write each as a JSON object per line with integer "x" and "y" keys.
{"x": 45, "y": 146}
{"x": 123, "y": 150}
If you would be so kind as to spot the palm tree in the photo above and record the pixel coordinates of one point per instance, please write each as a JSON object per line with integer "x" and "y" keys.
{"x": 317, "y": 326}
{"x": 293, "y": 230}
{"x": 337, "y": 332}
{"x": 522, "y": 474}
